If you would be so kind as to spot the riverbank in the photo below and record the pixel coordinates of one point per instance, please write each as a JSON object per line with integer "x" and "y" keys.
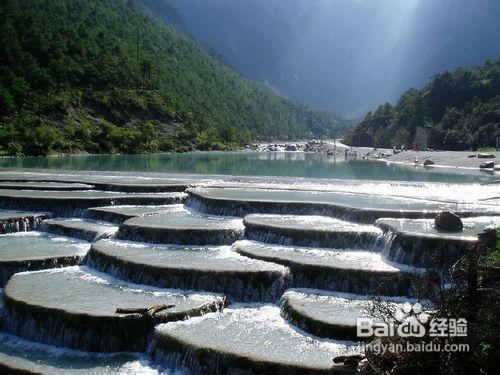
{"x": 440, "y": 159}
{"x": 453, "y": 159}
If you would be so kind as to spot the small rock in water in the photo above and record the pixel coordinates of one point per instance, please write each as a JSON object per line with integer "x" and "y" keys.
{"x": 428, "y": 162}
{"x": 487, "y": 165}
{"x": 448, "y": 221}
{"x": 472, "y": 156}
{"x": 349, "y": 360}
{"x": 486, "y": 156}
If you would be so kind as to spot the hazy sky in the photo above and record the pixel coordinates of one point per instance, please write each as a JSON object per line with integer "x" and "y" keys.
{"x": 345, "y": 56}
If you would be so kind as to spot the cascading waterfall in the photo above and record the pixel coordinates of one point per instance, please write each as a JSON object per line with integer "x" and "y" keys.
{"x": 153, "y": 235}
{"x": 6, "y": 271}
{"x": 421, "y": 252}
{"x": 23, "y": 224}
{"x": 86, "y": 331}
{"x": 243, "y": 208}
{"x": 249, "y": 287}
{"x": 333, "y": 240}
{"x": 352, "y": 281}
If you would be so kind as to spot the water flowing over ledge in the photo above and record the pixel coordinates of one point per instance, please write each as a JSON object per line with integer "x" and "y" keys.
{"x": 340, "y": 252}
{"x": 362, "y": 208}
{"x": 30, "y": 251}
{"x": 88, "y": 230}
{"x": 245, "y": 341}
{"x": 119, "y": 214}
{"x": 75, "y": 307}
{"x": 419, "y": 244}
{"x": 19, "y": 356}
{"x": 181, "y": 226}
{"x": 352, "y": 271}
{"x": 19, "y": 221}
{"x": 74, "y": 203}
{"x": 214, "y": 269}
{"x": 306, "y": 230}
{"x": 331, "y": 314}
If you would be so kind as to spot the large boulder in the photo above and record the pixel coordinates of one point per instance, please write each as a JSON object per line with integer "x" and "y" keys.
{"x": 487, "y": 165}
{"x": 428, "y": 162}
{"x": 448, "y": 221}
{"x": 486, "y": 156}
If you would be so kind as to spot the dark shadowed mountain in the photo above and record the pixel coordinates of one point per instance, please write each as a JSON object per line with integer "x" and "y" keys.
{"x": 345, "y": 56}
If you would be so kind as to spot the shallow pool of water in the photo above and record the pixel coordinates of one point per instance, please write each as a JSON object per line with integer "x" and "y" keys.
{"x": 38, "y": 245}
{"x": 294, "y": 164}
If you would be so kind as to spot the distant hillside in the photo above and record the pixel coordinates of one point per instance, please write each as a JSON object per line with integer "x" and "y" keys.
{"x": 104, "y": 76}
{"x": 460, "y": 110}
{"x": 345, "y": 56}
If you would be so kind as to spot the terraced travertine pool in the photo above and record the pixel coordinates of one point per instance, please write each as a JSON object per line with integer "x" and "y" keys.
{"x": 243, "y": 274}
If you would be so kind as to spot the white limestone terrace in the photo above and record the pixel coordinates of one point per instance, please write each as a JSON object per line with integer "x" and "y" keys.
{"x": 16, "y": 214}
{"x": 357, "y": 206}
{"x": 114, "y": 181}
{"x": 309, "y": 230}
{"x": 466, "y": 193}
{"x": 34, "y": 185}
{"x": 420, "y": 244}
{"x": 334, "y": 314}
{"x": 446, "y": 192}
{"x": 22, "y": 356}
{"x": 89, "y": 230}
{"x": 75, "y": 307}
{"x": 246, "y": 338}
{"x": 82, "y": 195}
{"x": 183, "y": 226}
{"x": 424, "y": 228}
{"x": 355, "y": 259}
{"x": 119, "y": 214}
{"x": 28, "y": 251}
{"x": 12, "y": 221}
{"x": 346, "y": 270}
{"x": 209, "y": 268}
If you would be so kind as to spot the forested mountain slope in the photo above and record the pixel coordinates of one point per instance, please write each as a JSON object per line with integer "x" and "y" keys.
{"x": 104, "y": 76}
{"x": 460, "y": 110}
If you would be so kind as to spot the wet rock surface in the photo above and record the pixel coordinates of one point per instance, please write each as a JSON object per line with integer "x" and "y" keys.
{"x": 179, "y": 266}
{"x": 419, "y": 243}
{"x": 215, "y": 269}
{"x": 330, "y": 315}
{"x": 76, "y": 308}
{"x": 448, "y": 221}
{"x": 119, "y": 214}
{"x": 249, "y": 340}
{"x": 181, "y": 226}
{"x": 31, "y": 251}
{"x": 19, "y": 221}
{"x": 89, "y": 230}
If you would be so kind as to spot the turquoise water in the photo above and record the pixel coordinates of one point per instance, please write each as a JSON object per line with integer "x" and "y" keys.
{"x": 249, "y": 164}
